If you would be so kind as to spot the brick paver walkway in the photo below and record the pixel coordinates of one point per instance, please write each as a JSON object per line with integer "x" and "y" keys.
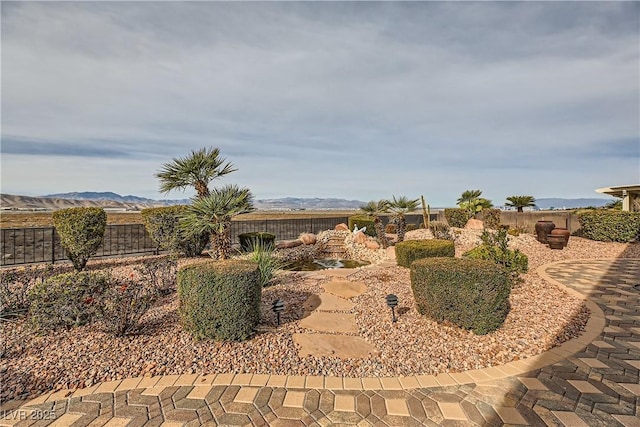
{"x": 592, "y": 381}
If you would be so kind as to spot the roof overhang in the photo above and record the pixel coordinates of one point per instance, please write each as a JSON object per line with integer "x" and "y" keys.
{"x": 618, "y": 191}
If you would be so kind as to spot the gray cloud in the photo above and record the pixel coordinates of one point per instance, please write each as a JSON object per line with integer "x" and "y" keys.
{"x": 435, "y": 96}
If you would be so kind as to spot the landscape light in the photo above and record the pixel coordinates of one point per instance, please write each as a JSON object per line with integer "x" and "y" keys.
{"x": 277, "y": 306}
{"x": 392, "y": 301}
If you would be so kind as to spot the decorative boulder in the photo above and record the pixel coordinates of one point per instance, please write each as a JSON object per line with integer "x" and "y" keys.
{"x": 341, "y": 227}
{"x": 360, "y": 237}
{"x": 391, "y": 252}
{"x": 474, "y": 224}
{"x": 307, "y": 238}
{"x": 286, "y": 244}
{"x": 371, "y": 244}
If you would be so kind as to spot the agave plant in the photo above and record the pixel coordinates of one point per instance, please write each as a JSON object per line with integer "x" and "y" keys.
{"x": 521, "y": 202}
{"x": 196, "y": 170}
{"x": 213, "y": 214}
{"x": 375, "y": 209}
{"x": 401, "y": 206}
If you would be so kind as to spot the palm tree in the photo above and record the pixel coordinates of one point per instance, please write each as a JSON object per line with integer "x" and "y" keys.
{"x": 521, "y": 202}
{"x": 400, "y": 207}
{"x": 469, "y": 196}
{"x": 473, "y": 203}
{"x": 375, "y": 209}
{"x": 197, "y": 169}
{"x": 212, "y": 214}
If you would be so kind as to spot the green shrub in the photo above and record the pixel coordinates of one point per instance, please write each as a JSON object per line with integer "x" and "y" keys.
{"x": 495, "y": 248}
{"x": 456, "y": 217}
{"x": 471, "y": 293}
{"x": 66, "y": 300}
{"x": 491, "y": 218}
{"x": 363, "y": 221}
{"x": 249, "y": 240}
{"x": 122, "y": 305}
{"x": 411, "y": 250}
{"x": 220, "y": 300}
{"x": 410, "y": 227}
{"x": 162, "y": 226}
{"x": 267, "y": 262}
{"x": 81, "y": 232}
{"x": 15, "y": 285}
{"x": 440, "y": 230}
{"x": 610, "y": 226}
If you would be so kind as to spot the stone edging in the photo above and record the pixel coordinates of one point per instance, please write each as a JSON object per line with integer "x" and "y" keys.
{"x": 154, "y": 385}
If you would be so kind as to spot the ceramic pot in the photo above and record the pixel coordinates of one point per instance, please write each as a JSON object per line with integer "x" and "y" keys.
{"x": 543, "y": 228}
{"x": 555, "y": 242}
{"x": 559, "y": 231}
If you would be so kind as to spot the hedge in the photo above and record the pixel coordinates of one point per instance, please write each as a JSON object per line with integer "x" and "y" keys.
{"x": 456, "y": 217}
{"x": 491, "y": 218}
{"x": 162, "y": 226}
{"x": 471, "y": 293}
{"x": 81, "y": 232}
{"x": 363, "y": 221}
{"x": 411, "y": 250}
{"x": 248, "y": 241}
{"x": 610, "y": 226}
{"x": 220, "y": 300}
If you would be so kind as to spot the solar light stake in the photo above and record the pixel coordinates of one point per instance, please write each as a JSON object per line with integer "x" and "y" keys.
{"x": 277, "y": 306}
{"x": 392, "y": 301}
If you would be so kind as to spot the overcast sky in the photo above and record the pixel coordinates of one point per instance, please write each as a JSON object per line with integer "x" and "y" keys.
{"x": 351, "y": 100}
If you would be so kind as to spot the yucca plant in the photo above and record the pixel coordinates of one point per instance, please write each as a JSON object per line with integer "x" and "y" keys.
{"x": 375, "y": 209}
{"x": 521, "y": 202}
{"x": 213, "y": 214}
{"x": 401, "y": 206}
{"x": 196, "y": 170}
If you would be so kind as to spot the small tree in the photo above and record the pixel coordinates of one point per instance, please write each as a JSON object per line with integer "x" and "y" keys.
{"x": 521, "y": 202}
{"x": 212, "y": 214}
{"x": 471, "y": 201}
{"x": 375, "y": 209}
{"x": 81, "y": 232}
{"x": 400, "y": 207}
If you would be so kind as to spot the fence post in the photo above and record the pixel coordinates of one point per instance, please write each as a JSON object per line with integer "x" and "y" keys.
{"x": 53, "y": 245}
{"x": 311, "y": 226}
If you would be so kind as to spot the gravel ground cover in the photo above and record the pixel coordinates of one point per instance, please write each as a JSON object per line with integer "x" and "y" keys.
{"x": 541, "y": 316}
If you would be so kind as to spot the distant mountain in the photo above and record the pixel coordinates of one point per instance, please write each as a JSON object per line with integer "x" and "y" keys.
{"x": 99, "y": 196}
{"x": 307, "y": 203}
{"x": 545, "y": 204}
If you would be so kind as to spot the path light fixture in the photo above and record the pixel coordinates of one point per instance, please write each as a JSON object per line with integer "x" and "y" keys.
{"x": 392, "y": 301}
{"x": 277, "y": 306}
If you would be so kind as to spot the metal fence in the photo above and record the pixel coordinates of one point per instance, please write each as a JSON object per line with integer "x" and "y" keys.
{"x": 42, "y": 244}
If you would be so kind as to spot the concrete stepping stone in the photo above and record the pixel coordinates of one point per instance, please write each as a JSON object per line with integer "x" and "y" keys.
{"x": 327, "y": 302}
{"x": 342, "y": 346}
{"x": 330, "y": 322}
{"x": 345, "y": 288}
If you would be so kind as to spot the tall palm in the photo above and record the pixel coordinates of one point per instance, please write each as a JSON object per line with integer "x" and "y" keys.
{"x": 469, "y": 196}
{"x": 375, "y": 209}
{"x": 400, "y": 207}
{"x": 520, "y": 202}
{"x": 212, "y": 214}
{"x": 196, "y": 170}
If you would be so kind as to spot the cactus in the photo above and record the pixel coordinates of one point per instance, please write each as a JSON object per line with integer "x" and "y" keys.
{"x": 426, "y": 213}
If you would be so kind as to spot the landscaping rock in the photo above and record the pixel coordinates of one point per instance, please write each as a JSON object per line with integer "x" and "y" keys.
{"x": 330, "y": 322}
{"x": 308, "y": 238}
{"x": 372, "y": 244}
{"x": 341, "y": 227}
{"x": 474, "y": 224}
{"x": 327, "y": 302}
{"x": 345, "y": 288}
{"x": 360, "y": 237}
{"x": 344, "y": 347}
{"x": 287, "y": 244}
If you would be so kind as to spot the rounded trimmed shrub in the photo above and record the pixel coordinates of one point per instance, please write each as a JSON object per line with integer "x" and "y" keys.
{"x": 456, "y": 217}
{"x": 220, "y": 300}
{"x": 162, "y": 225}
{"x": 81, "y": 232}
{"x": 491, "y": 218}
{"x": 471, "y": 293}
{"x": 248, "y": 241}
{"x": 363, "y": 221}
{"x": 411, "y": 250}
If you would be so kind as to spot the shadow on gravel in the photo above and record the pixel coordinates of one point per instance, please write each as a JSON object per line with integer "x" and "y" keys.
{"x": 293, "y": 306}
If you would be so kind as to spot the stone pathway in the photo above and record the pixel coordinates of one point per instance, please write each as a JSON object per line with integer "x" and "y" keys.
{"x": 590, "y": 381}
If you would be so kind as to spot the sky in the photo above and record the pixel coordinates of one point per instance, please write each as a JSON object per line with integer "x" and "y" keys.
{"x": 325, "y": 99}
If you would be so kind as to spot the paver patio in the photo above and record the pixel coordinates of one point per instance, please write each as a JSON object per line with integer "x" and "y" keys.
{"x": 592, "y": 380}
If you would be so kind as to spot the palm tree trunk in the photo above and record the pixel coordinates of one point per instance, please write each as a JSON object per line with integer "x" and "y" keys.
{"x": 221, "y": 244}
{"x": 402, "y": 227}
{"x": 382, "y": 236}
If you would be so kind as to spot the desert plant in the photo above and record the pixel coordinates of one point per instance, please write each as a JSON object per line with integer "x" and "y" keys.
{"x": 268, "y": 262}
{"x": 495, "y": 247}
{"x": 610, "y": 225}
{"x": 426, "y": 213}
{"x": 81, "y": 232}
{"x": 196, "y": 170}
{"x": 14, "y": 288}
{"x": 471, "y": 202}
{"x": 471, "y": 293}
{"x": 374, "y": 209}
{"x": 468, "y": 196}
{"x": 411, "y": 250}
{"x": 212, "y": 214}
{"x": 400, "y": 207}
{"x": 67, "y": 300}
{"x": 521, "y": 202}
{"x": 456, "y": 217}
{"x": 159, "y": 273}
{"x": 440, "y": 230}
{"x": 249, "y": 240}
{"x": 162, "y": 225}
{"x": 491, "y": 218}
{"x": 123, "y": 304}
{"x": 220, "y": 300}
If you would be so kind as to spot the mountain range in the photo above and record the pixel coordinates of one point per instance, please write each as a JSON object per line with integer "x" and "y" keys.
{"x": 129, "y": 202}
